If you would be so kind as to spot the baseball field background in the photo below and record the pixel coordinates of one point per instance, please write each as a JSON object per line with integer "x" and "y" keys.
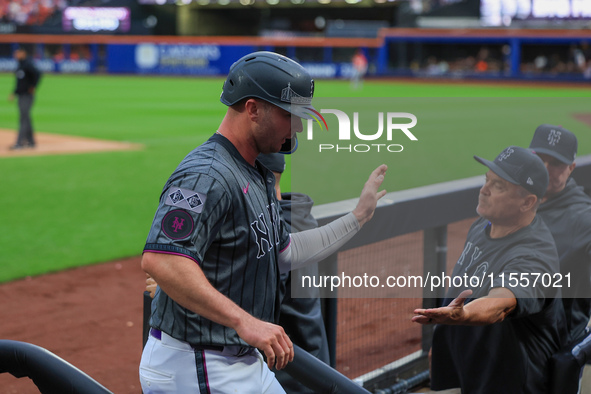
{"x": 61, "y": 211}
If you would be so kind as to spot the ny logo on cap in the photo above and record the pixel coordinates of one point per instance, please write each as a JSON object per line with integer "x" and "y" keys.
{"x": 554, "y": 137}
{"x": 505, "y": 154}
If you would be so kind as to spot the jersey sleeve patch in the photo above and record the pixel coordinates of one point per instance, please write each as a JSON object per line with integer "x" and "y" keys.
{"x": 177, "y": 224}
{"x": 186, "y": 199}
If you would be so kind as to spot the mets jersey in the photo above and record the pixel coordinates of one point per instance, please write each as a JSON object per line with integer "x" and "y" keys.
{"x": 221, "y": 212}
{"x": 510, "y": 356}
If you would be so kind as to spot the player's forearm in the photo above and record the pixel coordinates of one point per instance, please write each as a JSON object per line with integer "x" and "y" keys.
{"x": 183, "y": 281}
{"x": 311, "y": 246}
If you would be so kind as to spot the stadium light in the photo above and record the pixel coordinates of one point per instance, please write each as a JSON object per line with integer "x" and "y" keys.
{"x": 223, "y": 2}
{"x": 324, "y": 1}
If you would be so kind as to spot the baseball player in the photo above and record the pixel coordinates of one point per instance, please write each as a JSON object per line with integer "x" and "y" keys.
{"x": 301, "y": 317}
{"x": 359, "y": 64}
{"x": 566, "y": 210}
{"x": 27, "y": 78}
{"x": 495, "y": 334}
{"x": 218, "y": 243}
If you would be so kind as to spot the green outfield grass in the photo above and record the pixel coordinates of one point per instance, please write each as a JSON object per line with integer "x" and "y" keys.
{"x": 70, "y": 210}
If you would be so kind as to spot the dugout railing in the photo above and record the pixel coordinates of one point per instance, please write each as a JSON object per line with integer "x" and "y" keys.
{"x": 428, "y": 210}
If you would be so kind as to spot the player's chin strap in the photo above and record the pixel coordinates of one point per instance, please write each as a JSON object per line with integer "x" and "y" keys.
{"x": 312, "y": 246}
{"x": 289, "y": 146}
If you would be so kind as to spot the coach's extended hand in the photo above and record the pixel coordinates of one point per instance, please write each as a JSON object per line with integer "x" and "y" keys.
{"x": 490, "y": 309}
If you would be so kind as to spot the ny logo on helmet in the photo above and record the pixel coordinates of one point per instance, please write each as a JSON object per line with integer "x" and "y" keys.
{"x": 290, "y": 96}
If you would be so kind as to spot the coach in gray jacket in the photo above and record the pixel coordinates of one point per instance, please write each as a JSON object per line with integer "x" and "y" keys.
{"x": 566, "y": 210}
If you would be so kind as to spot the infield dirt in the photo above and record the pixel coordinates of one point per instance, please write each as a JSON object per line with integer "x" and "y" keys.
{"x": 53, "y": 144}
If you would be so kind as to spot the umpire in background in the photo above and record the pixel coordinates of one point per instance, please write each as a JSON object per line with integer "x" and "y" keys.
{"x": 27, "y": 79}
{"x": 566, "y": 210}
{"x": 498, "y": 335}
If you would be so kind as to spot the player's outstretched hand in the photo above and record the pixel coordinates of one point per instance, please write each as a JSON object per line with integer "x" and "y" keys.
{"x": 370, "y": 195}
{"x": 271, "y": 339}
{"x": 451, "y": 314}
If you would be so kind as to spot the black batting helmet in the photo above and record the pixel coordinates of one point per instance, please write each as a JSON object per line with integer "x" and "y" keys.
{"x": 274, "y": 78}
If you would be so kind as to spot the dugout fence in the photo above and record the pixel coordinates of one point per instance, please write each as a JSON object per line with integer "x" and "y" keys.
{"x": 421, "y": 231}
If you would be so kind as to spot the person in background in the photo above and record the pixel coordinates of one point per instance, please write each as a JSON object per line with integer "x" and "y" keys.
{"x": 566, "y": 210}
{"x": 27, "y": 79}
{"x": 300, "y": 316}
{"x": 494, "y": 334}
{"x": 360, "y": 64}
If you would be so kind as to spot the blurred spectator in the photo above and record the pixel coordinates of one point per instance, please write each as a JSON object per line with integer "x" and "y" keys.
{"x": 29, "y": 12}
{"x": 587, "y": 70}
{"x": 59, "y": 55}
{"x": 436, "y": 67}
{"x": 482, "y": 60}
{"x": 462, "y": 61}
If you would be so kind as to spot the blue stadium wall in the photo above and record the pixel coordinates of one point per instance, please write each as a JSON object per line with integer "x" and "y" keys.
{"x": 323, "y": 57}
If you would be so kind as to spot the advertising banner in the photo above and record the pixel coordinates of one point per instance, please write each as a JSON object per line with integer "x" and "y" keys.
{"x": 174, "y": 59}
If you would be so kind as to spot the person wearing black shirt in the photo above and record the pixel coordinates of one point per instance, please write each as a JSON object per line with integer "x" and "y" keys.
{"x": 498, "y": 330}
{"x": 300, "y": 312}
{"x": 566, "y": 210}
{"x": 27, "y": 78}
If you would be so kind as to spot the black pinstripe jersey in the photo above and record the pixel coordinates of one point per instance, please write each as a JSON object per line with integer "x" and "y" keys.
{"x": 221, "y": 212}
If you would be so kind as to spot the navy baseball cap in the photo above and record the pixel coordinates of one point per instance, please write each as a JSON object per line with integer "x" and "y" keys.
{"x": 521, "y": 167}
{"x": 555, "y": 141}
{"x": 273, "y": 161}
